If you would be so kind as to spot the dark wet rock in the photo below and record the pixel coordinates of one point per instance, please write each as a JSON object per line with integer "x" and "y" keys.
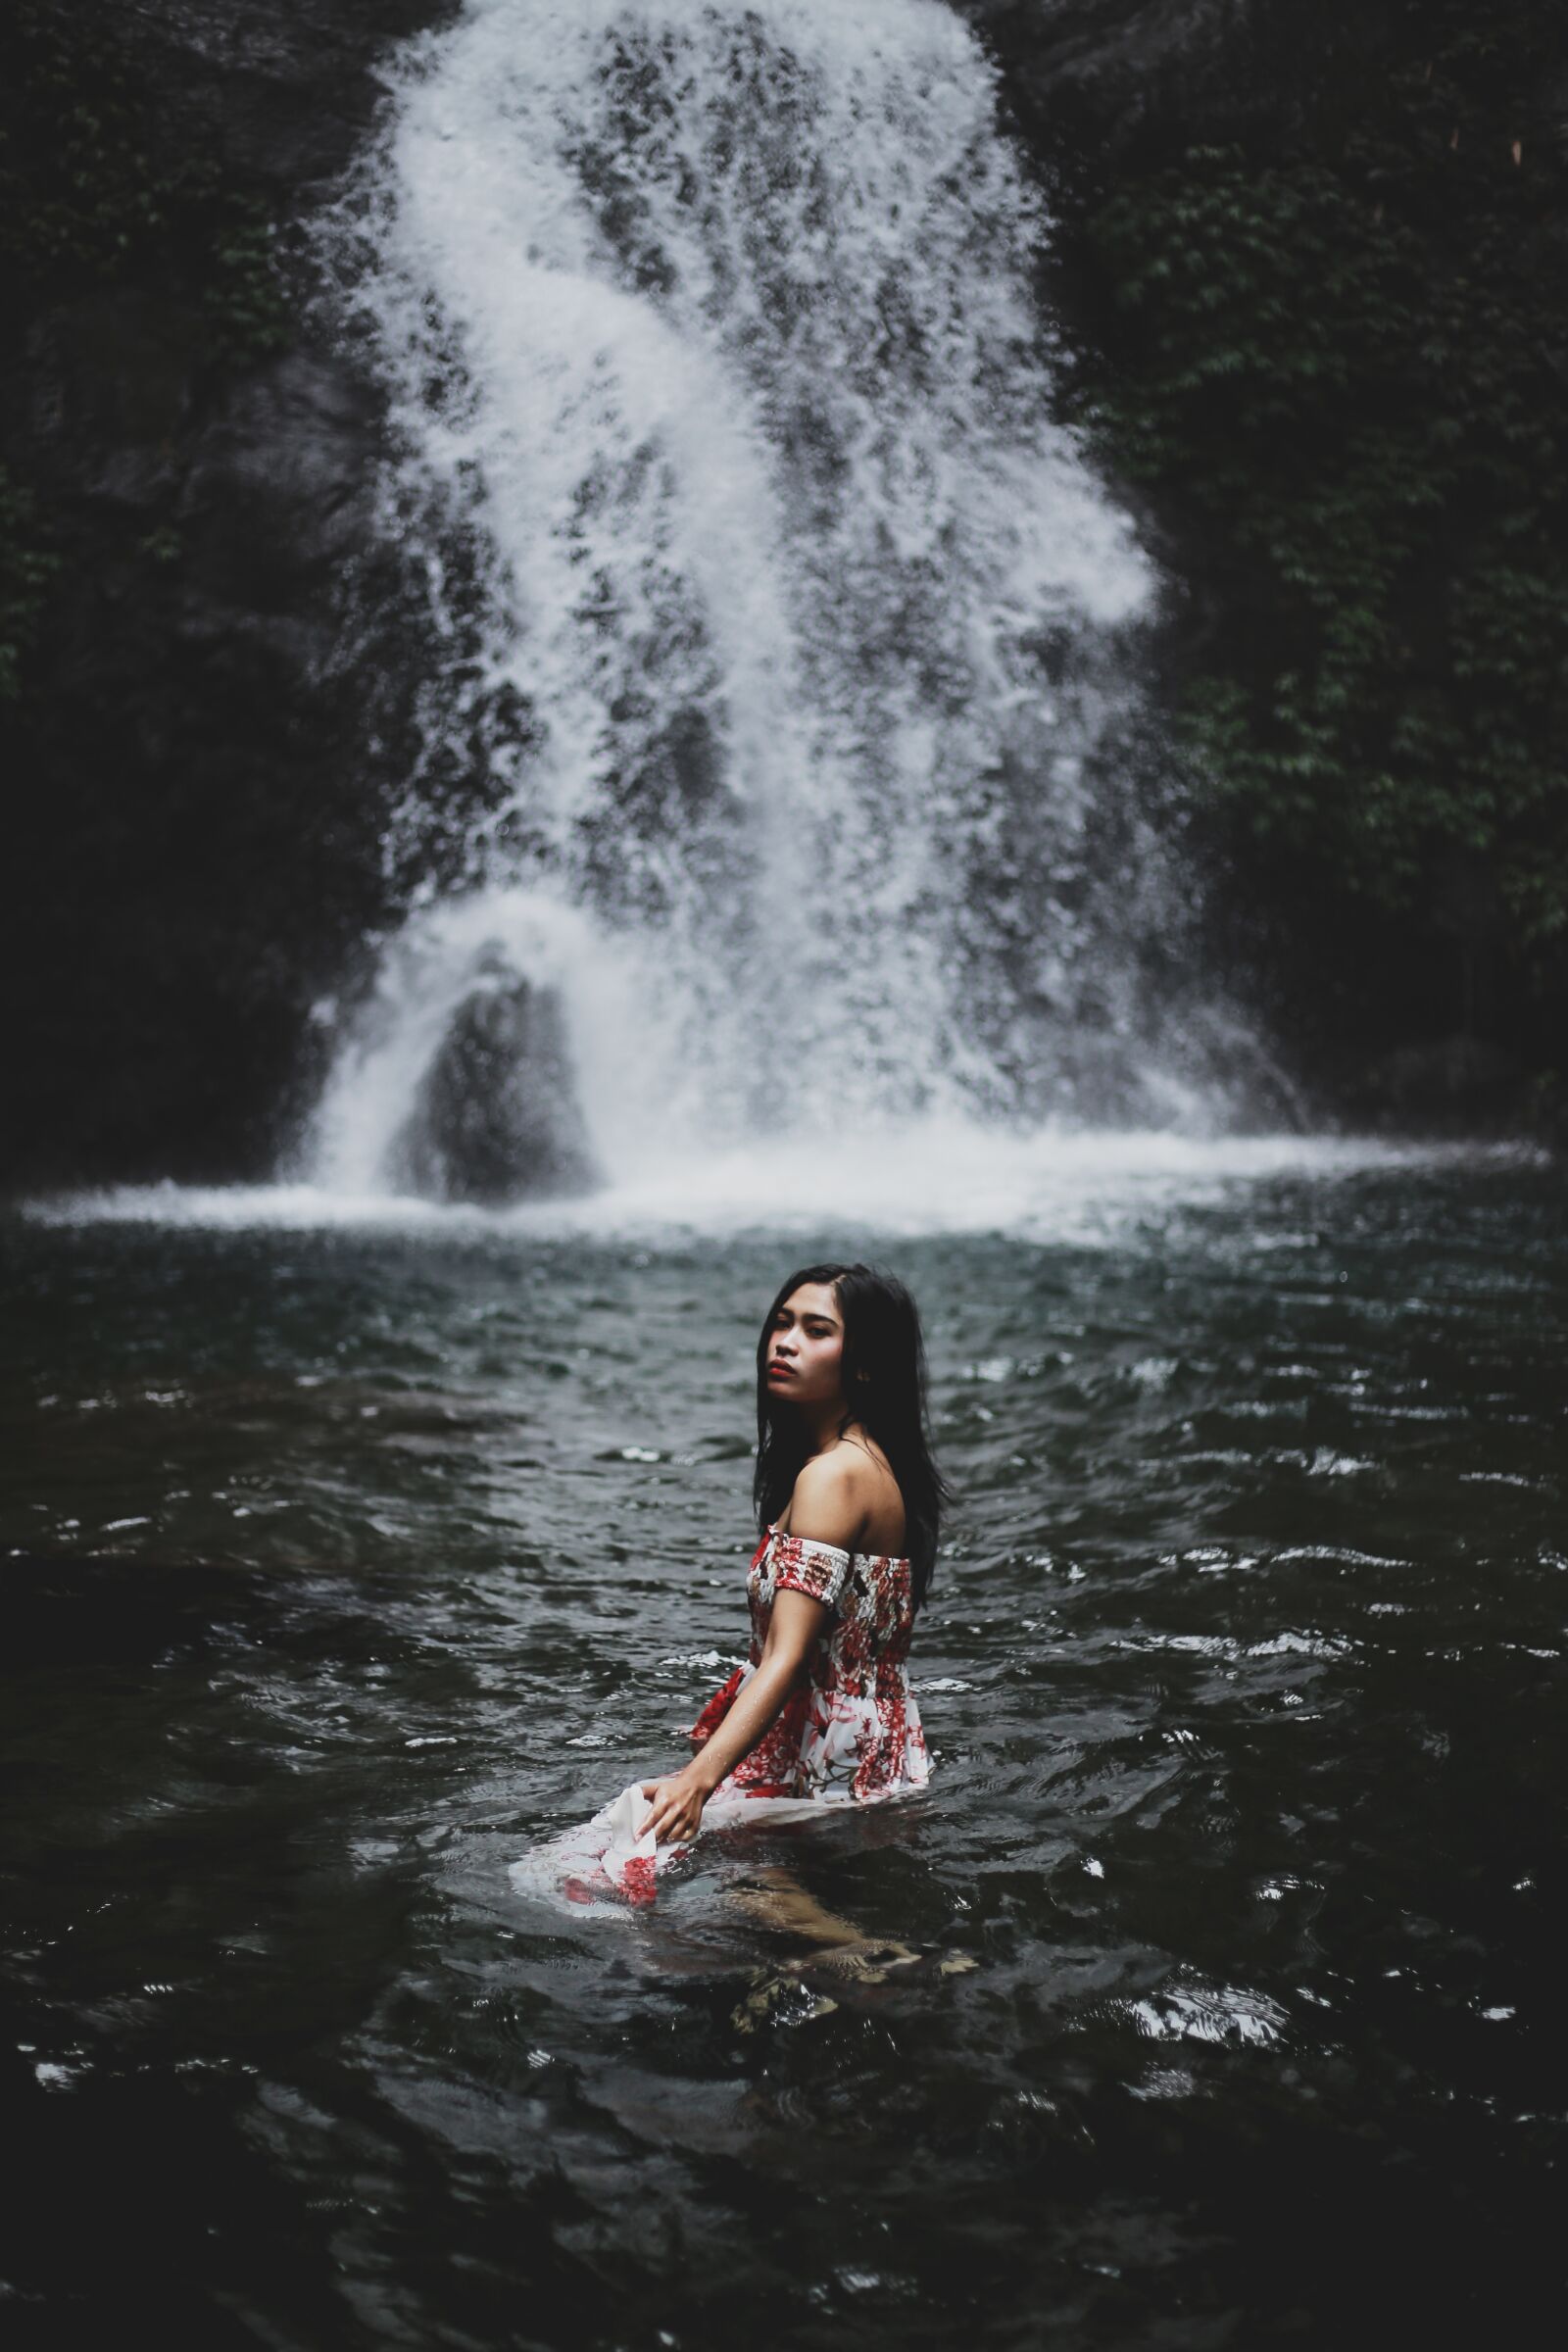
{"x": 496, "y": 1117}
{"x": 287, "y": 91}
{"x": 281, "y": 488}
{"x": 211, "y": 735}
{"x": 1089, "y": 82}
{"x": 1126, "y": 63}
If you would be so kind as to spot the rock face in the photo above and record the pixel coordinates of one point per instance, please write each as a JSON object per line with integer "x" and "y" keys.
{"x": 496, "y": 1121}
{"x": 289, "y": 88}
{"x": 1088, "y": 82}
{"x": 1127, "y": 63}
{"x": 201, "y": 778}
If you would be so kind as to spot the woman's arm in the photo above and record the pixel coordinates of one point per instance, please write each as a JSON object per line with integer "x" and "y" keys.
{"x": 678, "y": 1801}
{"x": 825, "y": 1509}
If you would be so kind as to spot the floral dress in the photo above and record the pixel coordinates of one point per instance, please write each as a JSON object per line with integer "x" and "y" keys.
{"x": 851, "y": 1730}
{"x": 849, "y": 1734}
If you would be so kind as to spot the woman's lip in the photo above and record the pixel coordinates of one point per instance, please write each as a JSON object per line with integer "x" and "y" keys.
{"x": 783, "y": 1371}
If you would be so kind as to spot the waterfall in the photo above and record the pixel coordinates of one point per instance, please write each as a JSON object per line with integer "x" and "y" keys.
{"x": 788, "y": 626}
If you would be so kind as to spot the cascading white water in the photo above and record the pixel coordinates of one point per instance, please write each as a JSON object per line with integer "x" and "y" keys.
{"x": 713, "y": 328}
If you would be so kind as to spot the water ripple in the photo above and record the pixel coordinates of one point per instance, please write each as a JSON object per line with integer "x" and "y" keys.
{"x": 339, "y": 1568}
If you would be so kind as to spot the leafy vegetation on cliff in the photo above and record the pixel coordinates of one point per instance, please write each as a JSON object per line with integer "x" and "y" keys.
{"x": 1333, "y": 363}
{"x": 96, "y": 178}
{"x": 101, "y": 183}
{"x": 192, "y": 816}
{"x": 26, "y": 566}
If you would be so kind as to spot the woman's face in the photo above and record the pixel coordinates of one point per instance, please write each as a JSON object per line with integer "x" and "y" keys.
{"x": 804, "y": 1356}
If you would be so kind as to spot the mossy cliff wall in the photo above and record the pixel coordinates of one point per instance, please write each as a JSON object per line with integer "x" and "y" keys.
{"x": 1312, "y": 262}
{"x": 186, "y": 547}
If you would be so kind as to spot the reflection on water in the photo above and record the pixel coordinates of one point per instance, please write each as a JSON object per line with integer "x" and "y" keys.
{"x": 342, "y": 1565}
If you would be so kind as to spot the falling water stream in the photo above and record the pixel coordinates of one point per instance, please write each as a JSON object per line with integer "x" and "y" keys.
{"x": 790, "y": 629}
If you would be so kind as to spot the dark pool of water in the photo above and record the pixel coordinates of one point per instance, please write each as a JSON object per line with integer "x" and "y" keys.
{"x": 341, "y": 1567}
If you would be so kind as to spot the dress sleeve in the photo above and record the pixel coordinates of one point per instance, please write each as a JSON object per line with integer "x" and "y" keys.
{"x": 818, "y": 1570}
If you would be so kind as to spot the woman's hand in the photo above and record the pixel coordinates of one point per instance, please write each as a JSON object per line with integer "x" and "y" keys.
{"x": 677, "y": 1807}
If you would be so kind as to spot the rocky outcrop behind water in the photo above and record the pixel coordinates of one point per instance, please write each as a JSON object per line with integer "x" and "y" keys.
{"x": 201, "y": 773}
{"x": 495, "y": 1117}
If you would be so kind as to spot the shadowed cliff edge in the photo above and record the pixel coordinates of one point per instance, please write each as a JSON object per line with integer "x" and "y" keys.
{"x": 1308, "y": 263}
{"x": 200, "y": 779}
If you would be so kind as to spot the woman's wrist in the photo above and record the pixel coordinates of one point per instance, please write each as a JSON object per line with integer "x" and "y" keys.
{"x": 700, "y": 1775}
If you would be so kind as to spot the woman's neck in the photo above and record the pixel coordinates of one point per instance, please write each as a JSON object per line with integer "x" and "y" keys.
{"x": 827, "y": 1423}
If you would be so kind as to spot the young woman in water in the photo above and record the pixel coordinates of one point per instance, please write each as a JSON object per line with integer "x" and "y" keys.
{"x": 848, "y": 1502}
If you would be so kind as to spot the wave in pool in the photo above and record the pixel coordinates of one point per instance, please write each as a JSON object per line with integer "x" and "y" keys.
{"x": 899, "y": 1180}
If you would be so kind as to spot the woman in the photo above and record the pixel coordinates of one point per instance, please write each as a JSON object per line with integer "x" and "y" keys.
{"x": 848, "y": 1503}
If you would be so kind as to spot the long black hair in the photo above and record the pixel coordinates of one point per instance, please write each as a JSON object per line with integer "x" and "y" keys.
{"x": 884, "y": 1391}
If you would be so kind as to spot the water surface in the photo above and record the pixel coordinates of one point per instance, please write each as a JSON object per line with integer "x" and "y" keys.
{"x": 341, "y": 1564}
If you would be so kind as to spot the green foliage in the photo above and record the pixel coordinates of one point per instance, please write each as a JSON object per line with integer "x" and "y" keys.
{"x": 1338, "y": 364}
{"x": 162, "y": 545}
{"x": 27, "y": 567}
{"x": 102, "y": 183}
{"x": 243, "y": 298}
{"x": 99, "y": 177}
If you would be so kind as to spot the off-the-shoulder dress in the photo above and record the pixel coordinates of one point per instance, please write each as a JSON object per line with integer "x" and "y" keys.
{"x": 849, "y": 1734}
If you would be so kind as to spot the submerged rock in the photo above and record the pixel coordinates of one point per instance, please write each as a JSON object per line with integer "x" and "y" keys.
{"x": 496, "y": 1117}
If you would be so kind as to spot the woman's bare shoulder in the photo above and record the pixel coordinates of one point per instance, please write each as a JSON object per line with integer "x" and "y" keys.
{"x": 864, "y": 1461}
{"x": 840, "y": 1491}
{"x": 828, "y": 1499}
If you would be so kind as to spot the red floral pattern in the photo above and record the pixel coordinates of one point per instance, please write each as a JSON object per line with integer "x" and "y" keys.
{"x": 851, "y": 1729}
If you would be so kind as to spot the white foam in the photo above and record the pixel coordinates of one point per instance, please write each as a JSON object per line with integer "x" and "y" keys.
{"x": 903, "y": 1181}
